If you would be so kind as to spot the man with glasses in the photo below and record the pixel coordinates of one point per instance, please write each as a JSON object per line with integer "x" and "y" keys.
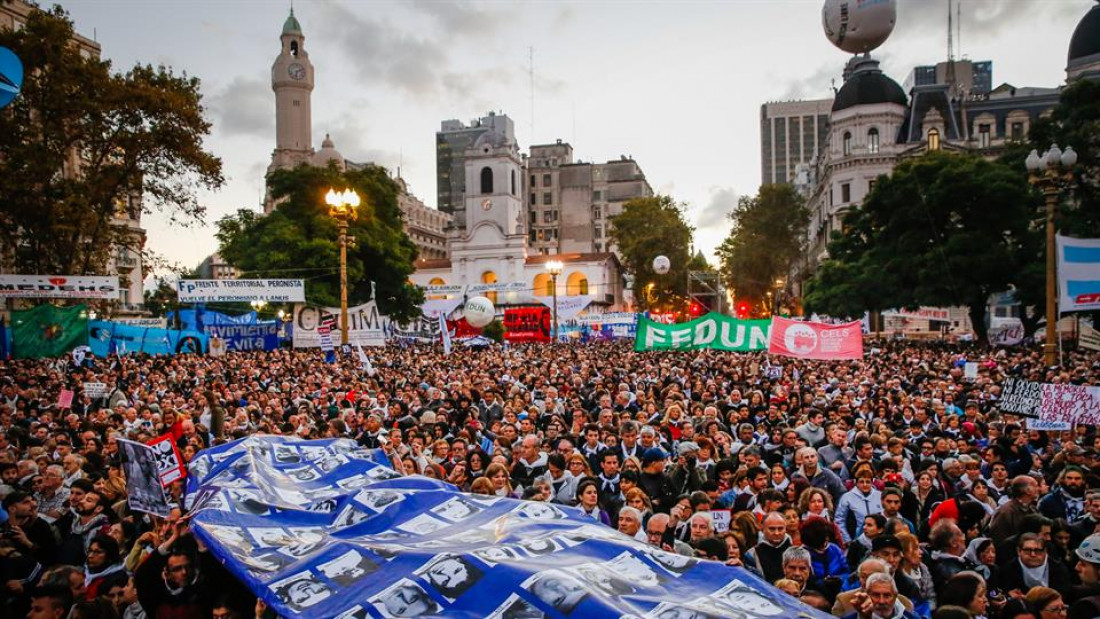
{"x": 51, "y": 494}
{"x": 1032, "y": 568}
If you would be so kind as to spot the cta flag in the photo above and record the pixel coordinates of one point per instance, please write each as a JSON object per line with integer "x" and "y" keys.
{"x": 326, "y": 528}
{"x": 814, "y": 340}
{"x": 1078, "y": 274}
{"x": 711, "y": 331}
{"x": 49, "y": 331}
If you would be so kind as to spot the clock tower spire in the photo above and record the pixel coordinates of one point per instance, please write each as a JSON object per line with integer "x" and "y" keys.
{"x": 292, "y": 81}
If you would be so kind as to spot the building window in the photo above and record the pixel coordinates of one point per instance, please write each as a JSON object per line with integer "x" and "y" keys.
{"x": 597, "y": 213}
{"x": 513, "y": 182}
{"x": 547, "y": 217}
{"x": 1017, "y": 132}
{"x": 872, "y": 141}
{"x": 983, "y": 136}
{"x": 596, "y": 195}
{"x": 486, "y": 180}
{"x": 847, "y": 143}
{"x": 297, "y": 103}
{"x": 547, "y": 198}
{"x": 546, "y": 181}
{"x": 846, "y": 193}
{"x": 870, "y": 185}
{"x": 933, "y": 139}
{"x": 599, "y": 232}
{"x": 294, "y": 48}
{"x": 533, "y": 181}
{"x": 534, "y": 199}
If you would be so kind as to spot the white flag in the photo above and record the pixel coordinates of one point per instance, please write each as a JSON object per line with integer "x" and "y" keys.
{"x": 364, "y": 361}
{"x": 445, "y": 334}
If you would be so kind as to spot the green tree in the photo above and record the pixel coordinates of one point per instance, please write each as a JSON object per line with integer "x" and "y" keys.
{"x": 651, "y": 227}
{"x": 162, "y": 298}
{"x": 943, "y": 229}
{"x": 80, "y": 143}
{"x": 766, "y": 239}
{"x": 1075, "y": 122}
{"x": 300, "y": 239}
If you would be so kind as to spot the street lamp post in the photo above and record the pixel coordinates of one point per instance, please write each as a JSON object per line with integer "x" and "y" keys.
{"x": 342, "y": 206}
{"x": 554, "y": 268}
{"x": 1051, "y": 172}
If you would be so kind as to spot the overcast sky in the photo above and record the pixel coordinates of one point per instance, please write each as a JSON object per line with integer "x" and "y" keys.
{"x": 677, "y": 85}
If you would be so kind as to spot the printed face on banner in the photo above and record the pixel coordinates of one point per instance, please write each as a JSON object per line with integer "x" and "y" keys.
{"x": 405, "y": 598}
{"x": 348, "y": 568}
{"x": 450, "y": 575}
{"x": 557, "y": 589}
{"x": 301, "y": 590}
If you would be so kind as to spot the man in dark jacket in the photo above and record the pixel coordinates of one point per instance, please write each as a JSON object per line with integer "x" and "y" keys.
{"x": 948, "y": 545}
{"x": 656, "y": 483}
{"x": 180, "y": 581}
{"x": 1032, "y": 567}
{"x": 766, "y": 557}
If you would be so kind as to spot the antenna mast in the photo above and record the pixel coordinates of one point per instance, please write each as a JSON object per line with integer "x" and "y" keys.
{"x": 951, "y": 86}
{"x": 531, "y": 78}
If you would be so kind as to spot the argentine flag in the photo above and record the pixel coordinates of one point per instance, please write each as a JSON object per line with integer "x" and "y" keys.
{"x": 1078, "y": 274}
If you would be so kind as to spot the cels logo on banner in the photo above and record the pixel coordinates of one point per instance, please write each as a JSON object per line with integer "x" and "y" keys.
{"x": 800, "y": 339}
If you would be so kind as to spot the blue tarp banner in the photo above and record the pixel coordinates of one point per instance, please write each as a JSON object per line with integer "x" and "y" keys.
{"x": 106, "y": 337}
{"x": 327, "y": 529}
{"x": 244, "y": 332}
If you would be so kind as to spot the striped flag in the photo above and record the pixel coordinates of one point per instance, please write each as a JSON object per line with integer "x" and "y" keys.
{"x": 1078, "y": 274}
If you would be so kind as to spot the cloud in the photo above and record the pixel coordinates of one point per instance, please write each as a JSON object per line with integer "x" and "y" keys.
{"x": 462, "y": 18}
{"x": 719, "y": 206}
{"x": 353, "y": 138}
{"x": 817, "y": 85}
{"x": 981, "y": 19}
{"x": 244, "y": 107}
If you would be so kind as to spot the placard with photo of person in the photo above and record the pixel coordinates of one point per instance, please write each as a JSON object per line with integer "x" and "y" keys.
{"x": 285, "y": 454}
{"x": 264, "y": 565}
{"x": 301, "y": 590}
{"x": 750, "y": 603}
{"x": 350, "y": 516}
{"x": 304, "y": 473}
{"x": 348, "y": 568}
{"x": 496, "y": 554}
{"x": 536, "y": 510}
{"x": 405, "y": 598}
{"x": 450, "y": 574}
{"x": 600, "y": 579}
{"x": 379, "y": 500}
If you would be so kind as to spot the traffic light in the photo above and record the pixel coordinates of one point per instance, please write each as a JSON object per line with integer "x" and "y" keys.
{"x": 742, "y": 310}
{"x": 696, "y": 309}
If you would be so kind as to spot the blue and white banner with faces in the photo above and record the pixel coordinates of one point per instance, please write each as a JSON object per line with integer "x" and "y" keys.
{"x": 327, "y": 529}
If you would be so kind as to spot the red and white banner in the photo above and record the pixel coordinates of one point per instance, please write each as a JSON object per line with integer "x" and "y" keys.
{"x": 169, "y": 462}
{"x": 59, "y": 286}
{"x": 1070, "y": 404}
{"x": 814, "y": 340}
{"x": 65, "y": 400}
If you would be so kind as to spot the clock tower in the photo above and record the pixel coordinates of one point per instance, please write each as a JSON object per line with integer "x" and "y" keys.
{"x": 292, "y": 81}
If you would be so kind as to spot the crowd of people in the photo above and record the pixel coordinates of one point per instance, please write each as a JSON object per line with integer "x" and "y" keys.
{"x": 887, "y": 487}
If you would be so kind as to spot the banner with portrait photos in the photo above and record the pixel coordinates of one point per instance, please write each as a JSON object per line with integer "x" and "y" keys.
{"x": 326, "y": 528}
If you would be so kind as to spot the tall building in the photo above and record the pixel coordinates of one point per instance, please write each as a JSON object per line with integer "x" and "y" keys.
{"x": 292, "y": 80}
{"x": 215, "y": 267}
{"x": 125, "y": 257}
{"x": 452, "y": 141}
{"x": 569, "y": 203}
{"x": 791, "y": 133}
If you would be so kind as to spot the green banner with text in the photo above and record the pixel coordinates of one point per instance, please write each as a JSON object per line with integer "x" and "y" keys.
{"x": 716, "y": 331}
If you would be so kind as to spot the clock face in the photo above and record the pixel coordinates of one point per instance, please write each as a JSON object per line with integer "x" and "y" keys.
{"x": 296, "y": 71}
{"x": 486, "y": 205}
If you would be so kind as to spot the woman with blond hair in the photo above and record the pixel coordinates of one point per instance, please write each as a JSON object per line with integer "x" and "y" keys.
{"x": 497, "y": 473}
{"x": 912, "y": 567}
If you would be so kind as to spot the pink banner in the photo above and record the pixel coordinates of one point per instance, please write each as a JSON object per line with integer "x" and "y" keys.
{"x": 66, "y": 399}
{"x": 815, "y": 340}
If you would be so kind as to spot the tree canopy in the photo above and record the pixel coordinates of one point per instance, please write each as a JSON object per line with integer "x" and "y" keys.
{"x": 81, "y": 143}
{"x": 300, "y": 239}
{"x": 766, "y": 239}
{"x": 943, "y": 229}
{"x": 651, "y": 227}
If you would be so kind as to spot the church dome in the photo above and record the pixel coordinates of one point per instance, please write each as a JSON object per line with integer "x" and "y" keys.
{"x": 291, "y": 25}
{"x": 491, "y": 139}
{"x": 867, "y": 85}
{"x": 1086, "y": 38}
{"x": 328, "y": 153}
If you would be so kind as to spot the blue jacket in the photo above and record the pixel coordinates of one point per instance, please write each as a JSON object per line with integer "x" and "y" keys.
{"x": 829, "y": 562}
{"x": 853, "y": 508}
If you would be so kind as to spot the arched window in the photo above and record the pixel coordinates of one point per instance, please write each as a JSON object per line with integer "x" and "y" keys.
{"x": 544, "y": 285}
{"x": 847, "y": 143}
{"x": 486, "y": 180}
{"x": 933, "y": 139}
{"x": 294, "y": 48}
{"x": 872, "y": 141}
{"x": 513, "y": 182}
{"x": 489, "y": 277}
{"x": 577, "y": 284}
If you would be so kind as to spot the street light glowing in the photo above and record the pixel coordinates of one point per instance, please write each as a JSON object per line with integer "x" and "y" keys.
{"x": 342, "y": 202}
{"x": 555, "y": 267}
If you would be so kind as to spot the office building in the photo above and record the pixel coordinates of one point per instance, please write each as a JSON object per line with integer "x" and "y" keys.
{"x": 791, "y": 133}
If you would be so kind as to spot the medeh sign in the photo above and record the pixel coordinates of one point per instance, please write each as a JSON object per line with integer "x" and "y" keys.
{"x": 59, "y": 286}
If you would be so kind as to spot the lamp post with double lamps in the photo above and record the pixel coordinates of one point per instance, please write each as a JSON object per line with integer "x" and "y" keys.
{"x": 1051, "y": 172}
{"x": 342, "y": 205}
{"x": 554, "y": 268}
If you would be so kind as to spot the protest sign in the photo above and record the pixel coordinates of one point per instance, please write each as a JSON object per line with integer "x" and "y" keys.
{"x": 1049, "y": 426}
{"x": 815, "y": 340}
{"x": 970, "y": 371}
{"x": 59, "y": 287}
{"x": 714, "y": 330}
{"x": 568, "y": 307}
{"x": 1089, "y": 338}
{"x": 366, "y": 325}
{"x": 144, "y": 491}
{"x": 95, "y": 390}
{"x": 326, "y": 528}
{"x": 1021, "y": 397}
{"x": 241, "y": 290}
{"x": 1070, "y": 404}
{"x": 65, "y": 400}
{"x": 169, "y": 462}
{"x": 721, "y": 518}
